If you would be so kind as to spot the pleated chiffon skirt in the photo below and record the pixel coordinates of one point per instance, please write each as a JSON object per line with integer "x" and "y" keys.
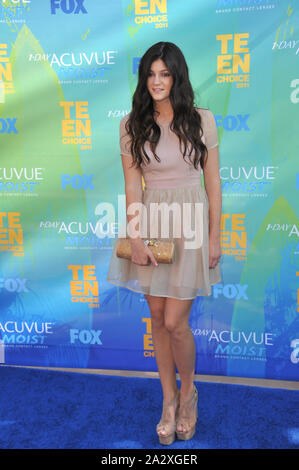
{"x": 189, "y": 275}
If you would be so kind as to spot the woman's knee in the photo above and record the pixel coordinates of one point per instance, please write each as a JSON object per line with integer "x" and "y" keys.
{"x": 176, "y": 316}
{"x": 156, "y": 306}
{"x": 157, "y": 318}
{"x": 175, "y": 326}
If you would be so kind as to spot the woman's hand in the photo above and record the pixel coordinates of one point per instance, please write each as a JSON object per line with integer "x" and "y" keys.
{"x": 141, "y": 254}
{"x": 214, "y": 251}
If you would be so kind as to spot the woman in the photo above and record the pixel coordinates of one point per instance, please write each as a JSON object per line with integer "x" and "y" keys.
{"x": 162, "y": 130}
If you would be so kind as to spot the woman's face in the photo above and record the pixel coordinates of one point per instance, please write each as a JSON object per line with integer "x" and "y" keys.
{"x": 159, "y": 81}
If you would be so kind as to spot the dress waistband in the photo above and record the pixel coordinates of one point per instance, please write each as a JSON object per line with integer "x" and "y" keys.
{"x": 174, "y": 183}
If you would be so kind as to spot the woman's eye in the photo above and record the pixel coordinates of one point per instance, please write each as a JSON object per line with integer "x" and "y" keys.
{"x": 165, "y": 74}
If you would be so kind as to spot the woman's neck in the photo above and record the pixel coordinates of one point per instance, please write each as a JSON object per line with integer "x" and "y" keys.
{"x": 163, "y": 111}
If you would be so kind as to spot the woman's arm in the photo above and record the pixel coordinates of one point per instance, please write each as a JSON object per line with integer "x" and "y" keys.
{"x": 133, "y": 189}
{"x": 213, "y": 190}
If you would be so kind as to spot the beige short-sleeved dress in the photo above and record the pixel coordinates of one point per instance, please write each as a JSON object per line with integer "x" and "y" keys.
{"x": 173, "y": 180}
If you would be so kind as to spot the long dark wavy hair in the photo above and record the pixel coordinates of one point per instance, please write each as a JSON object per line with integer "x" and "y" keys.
{"x": 141, "y": 125}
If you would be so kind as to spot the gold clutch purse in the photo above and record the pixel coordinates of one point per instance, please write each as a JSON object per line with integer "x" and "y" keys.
{"x": 163, "y": 251}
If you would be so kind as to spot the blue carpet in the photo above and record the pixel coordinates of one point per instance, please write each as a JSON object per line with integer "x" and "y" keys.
{"x": 42, "y": 409}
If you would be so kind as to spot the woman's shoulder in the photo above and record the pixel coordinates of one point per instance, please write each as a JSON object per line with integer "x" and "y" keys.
{"x": 204, "y": 112}
{"x": 122, "y": 124}
{"x": 125, "y": 118}
{"x": 208, "y": 118}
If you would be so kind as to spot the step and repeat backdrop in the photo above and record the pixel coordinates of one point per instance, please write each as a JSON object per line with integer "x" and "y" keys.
{"x": 68, "y": 70}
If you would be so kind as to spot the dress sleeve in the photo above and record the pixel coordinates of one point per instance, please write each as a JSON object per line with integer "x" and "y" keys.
{"x": 209, "y": 129}
{"x": 124, "y": 138}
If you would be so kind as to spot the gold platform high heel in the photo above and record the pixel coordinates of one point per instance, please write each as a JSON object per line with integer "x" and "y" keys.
{"x": 185, "y": 435}
{"x": 166, "y": 423}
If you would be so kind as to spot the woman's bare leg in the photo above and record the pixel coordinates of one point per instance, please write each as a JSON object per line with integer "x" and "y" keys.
{"x": 165, "y": 363}
{"x": 176, "y": 316}
{"x": 162, "y": 346}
